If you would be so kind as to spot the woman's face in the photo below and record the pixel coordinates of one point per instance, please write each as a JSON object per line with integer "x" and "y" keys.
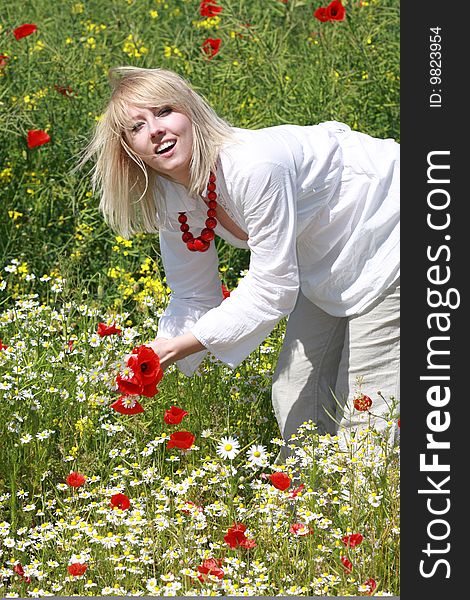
{"x": 163, "y": 138}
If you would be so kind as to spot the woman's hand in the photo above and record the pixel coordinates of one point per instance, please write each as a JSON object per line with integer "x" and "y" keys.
{"x": 172, "y": 349}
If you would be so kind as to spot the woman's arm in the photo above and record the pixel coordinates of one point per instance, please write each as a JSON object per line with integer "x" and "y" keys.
{"x": 177, "y": 348}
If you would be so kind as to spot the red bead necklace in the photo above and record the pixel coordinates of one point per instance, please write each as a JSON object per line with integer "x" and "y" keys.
{"x": 202, "y": 242}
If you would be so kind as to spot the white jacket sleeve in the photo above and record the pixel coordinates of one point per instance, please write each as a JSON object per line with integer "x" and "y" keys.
{"x": 267, "y": 195}
{"x": 195, "y": 288}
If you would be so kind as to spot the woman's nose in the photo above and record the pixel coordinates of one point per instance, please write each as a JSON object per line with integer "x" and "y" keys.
{"x": 156, "y": 129}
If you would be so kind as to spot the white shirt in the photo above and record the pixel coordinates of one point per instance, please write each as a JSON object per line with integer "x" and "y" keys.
{"x": 320, "y": 205}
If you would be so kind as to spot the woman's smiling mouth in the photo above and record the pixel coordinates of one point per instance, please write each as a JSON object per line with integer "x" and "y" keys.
{"x": 165, "y": 147}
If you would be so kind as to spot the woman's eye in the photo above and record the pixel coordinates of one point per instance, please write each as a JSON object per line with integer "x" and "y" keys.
{"x": 136, "y": 127}
{"x": 161, "y": 112}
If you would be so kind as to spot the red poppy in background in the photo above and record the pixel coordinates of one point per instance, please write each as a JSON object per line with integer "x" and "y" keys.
{"x": 4, "y": 58}
{"x": 120, "y": 501}
{"x": 281, "y": 481}
{"x": 351, "y": 541}
{"x": 362, "y": 403}
{"x": 296, "y": 492}
{"x": 211, "y": 46}
{"x": 18, "y": 569}
{"x": 209, "y": 8}
{"x": 225, "y": 292}
{"x": 300, "y": 529}
{"x": 174, "y": 415}
{"x": 24, "y": 30}
{"x": 372, "y": 585}
{"x": 2, "y": 346}
{"x": 37, "y": 137}
{"x": 181, "y": 439}
{"x": 104, "y": 329}
{"x": 127, "y": 405}
{"x": 335, "y": 11}
{"x": 75, "y": 479}
{"x": 65, "y": 91}
{"x": 321, "y": 14}
{"x": 235, "y": 537}
{"x": 77, "y": 569}
{"x": 210, "y": 567}
{"x": 347, "y": 564}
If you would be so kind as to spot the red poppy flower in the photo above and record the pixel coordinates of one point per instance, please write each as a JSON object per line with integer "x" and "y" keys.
{"x": 145, "y": 373}
{"x": 209, "y": 8}
{"x": 104, "y": 329}
{"x": 37, "y": 137}
{"x": 77, "y": 569}
{"x": 299, "y": 529}
{"x": 235, "y": 537}
{"x": 362, "y": 403}
{"x": 130, "y": 385}
{"x": 281, "y": 481}
{"x": 2, "y": 346}
{"x": 120, "y": 501}
{"x": 24, "y": 30}
{"x": 4, "y": 58}
{"x": 347, "y": 564}
{"x": 210, "y": 567}
{"x": 235, "y": 534}
{"x": 75, "y": 479}
{"x": 321, "y": 14}
{"x": 65, "y": 91}
{"x": 225, "y": 292}
{"x": 127, "y": 405}
{"x": 211, "y": 46}
{"x": 18, "y": 569}
{"x": 372, "y": 585}
{"x": 146, "y": 364}
{"x": 335, "y": 11}
{"x": 296, "y": 492}
{"x": 181, "y": 439}
{"x": 174, "y": 415}
{"x": 351, "y": 541}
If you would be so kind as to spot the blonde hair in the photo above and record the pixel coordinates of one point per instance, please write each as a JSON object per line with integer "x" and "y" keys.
{"x": 131, "y": 198}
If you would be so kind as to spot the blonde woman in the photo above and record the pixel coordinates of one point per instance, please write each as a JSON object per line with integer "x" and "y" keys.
{"x": 316, "y": 206}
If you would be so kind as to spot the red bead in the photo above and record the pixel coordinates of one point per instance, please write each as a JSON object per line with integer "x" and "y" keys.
{"x": 201, "y": 245}
{"x": 207, "y": 235}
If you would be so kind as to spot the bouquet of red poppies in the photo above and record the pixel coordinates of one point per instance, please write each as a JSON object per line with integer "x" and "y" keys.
{"x": 139, "y": 378}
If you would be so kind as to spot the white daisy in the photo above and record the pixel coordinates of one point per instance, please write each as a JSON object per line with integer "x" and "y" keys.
{"x": 257, "y": 455}
{"x": 228, "y": 447}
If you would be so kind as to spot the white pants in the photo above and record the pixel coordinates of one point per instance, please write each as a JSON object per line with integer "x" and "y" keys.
{"x": 322, "y": 354}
